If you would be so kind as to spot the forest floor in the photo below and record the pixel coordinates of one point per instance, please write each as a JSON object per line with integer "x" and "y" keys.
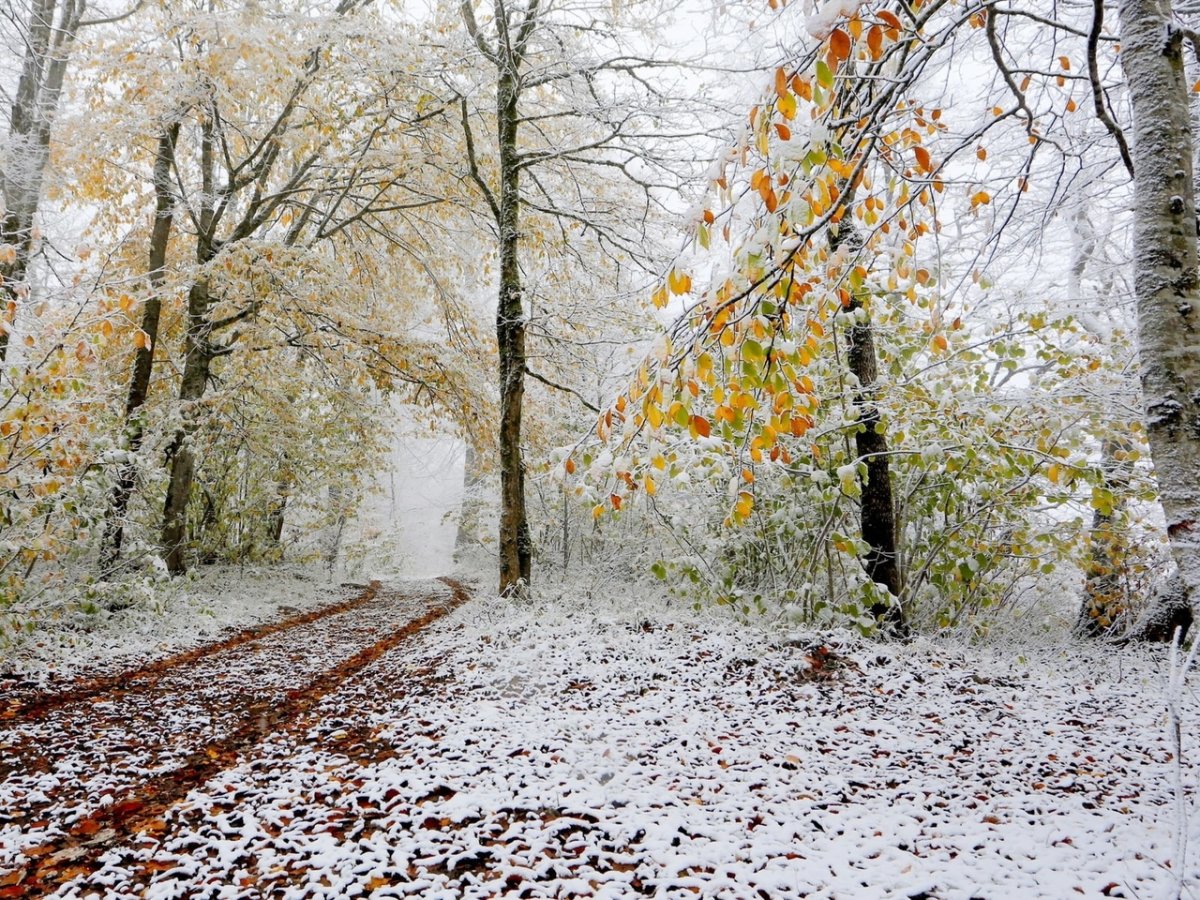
{"x": 410, "y": 741}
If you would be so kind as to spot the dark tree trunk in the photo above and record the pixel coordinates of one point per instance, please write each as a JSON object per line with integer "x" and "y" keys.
{"x": 515, "y": 545}
{"x": 198, "y": 356}
{"x": 878, "y": 509}
{"x": 143, "y": 362}
{"x": 34, "y": 106}
{"x": 197, "y": 365}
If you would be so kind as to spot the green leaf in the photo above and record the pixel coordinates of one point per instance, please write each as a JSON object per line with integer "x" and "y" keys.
{"x": 824, "y": 74}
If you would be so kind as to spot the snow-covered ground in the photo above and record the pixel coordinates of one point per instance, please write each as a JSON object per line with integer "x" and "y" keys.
{"x": 207, "y": 605}
{"x": 613, "y": 749}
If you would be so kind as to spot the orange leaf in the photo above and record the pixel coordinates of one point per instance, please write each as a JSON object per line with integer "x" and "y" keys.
{"x": 875, "y": 41}
{"x": 923, "y": 159}
{"x": 569, "y": 465}
{"x": 839, "y": 44}
{"x": 700, "y": 426}
{"x": 890, "y": 19}
{"x": 616, "y": 500}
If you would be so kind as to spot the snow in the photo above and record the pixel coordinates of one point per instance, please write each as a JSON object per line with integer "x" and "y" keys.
{"x": 615, "y": 748}
{"x": 203, "y": 607}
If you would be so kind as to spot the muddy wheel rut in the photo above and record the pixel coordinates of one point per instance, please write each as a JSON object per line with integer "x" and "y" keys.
{"x": 80, "y": 777}
{"x": 22, "y": 705}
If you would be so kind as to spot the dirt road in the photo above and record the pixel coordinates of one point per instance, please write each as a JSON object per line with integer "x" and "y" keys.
{"x": 85, "y": 769}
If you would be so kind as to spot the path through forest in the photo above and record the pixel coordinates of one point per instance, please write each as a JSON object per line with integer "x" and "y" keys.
{"x": 98, "y": 763}
{"x": 391, "y": 745}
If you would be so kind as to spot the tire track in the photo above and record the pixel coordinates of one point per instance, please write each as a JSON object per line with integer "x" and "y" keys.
{"x": 36, "y": 706}
{"x": 138, "y": 809}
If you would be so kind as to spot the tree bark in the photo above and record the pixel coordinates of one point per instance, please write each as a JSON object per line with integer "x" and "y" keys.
{"x": 198, "y": 356}
{"x": 877, "y": 516}
{"x": 1166, "y": 278}
{"x": 34, "y": 106}
{"x": 197, "y": 365}
{"x": 143, "y": 362}
{"x": 1105, "y": 602}
{"x": 877, "y": 509}
{"x": 515, "y": 545}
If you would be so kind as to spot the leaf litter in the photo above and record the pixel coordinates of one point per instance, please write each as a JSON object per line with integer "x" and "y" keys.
{"x": 598, "y": 750}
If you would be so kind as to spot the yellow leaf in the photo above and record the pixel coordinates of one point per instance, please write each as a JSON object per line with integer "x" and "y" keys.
{"x": 659, "y": 462}
{"x": 980, "y": 198}
{"x": 597, "y": 511}
{"x": 654, "y": 416}
{"x": 679, "y": 282}
{"x": 651, "y": 487}
{"x": 781, "y": 82}
{"x": 141, "y": 340}
{"x": 786, "y": 106}
{"x": 744, "y": 505}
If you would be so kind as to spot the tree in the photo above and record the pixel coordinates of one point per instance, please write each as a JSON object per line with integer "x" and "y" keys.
{"x": 143, "y": 365}
{"x": 49, "y": 32}
{"x": 1166, "y": 281}
{"x": 562, "y": 107}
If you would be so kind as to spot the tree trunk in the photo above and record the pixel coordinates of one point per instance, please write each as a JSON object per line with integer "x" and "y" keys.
{"x": 198, "y": 357}
{"x": 1105, "y": 601}
{"x": 878, "y": 509}
{"x": 468, "y": 516}
{"x": 143, "y": 362}
{"x": 47, "y": 44}
{"x": 515, "y": 545}
{"x": 1166, "y": 280}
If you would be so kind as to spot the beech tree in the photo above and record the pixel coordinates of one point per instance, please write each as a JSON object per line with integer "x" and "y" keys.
{"x": 739, "y": 369}
{"x": 569, "y": 109}
{"x": 1167, "y": 282}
